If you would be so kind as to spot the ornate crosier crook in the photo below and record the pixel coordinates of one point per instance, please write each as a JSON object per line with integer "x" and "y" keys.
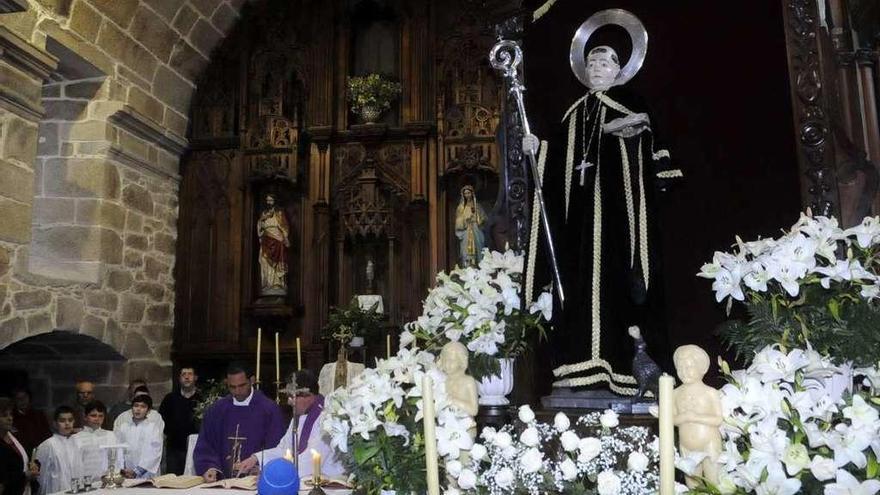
{"x": 505, "y": 57}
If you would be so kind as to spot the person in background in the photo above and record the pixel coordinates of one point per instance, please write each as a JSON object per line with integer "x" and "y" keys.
{"x": 14, "y": 469}
{"x": 309, "y": 407}
{"x": 153, "y": 416}
{"x": 31, "y": 425}
{"x": 143, "y": 439}
{"x": 85, "y": 393}
{"x": 177, "y": 410}
{"x": 58, "y": 458}
{"x": 125, "y": 405}
{"x": 92, "y": 438}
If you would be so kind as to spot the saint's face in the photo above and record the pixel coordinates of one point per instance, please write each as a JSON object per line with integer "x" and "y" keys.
{"x": 602, "y": 69}
{"x": 64, "y": 424}
{"x": 468, "y": 194}
{"x": 94, "y": 419}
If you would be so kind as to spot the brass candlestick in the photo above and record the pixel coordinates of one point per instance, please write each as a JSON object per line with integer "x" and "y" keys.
{"x": 278, "y": 392}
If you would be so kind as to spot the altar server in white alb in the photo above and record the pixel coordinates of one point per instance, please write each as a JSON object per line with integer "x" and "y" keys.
{"x": 152, "y": 415}
{"x": 143, "y": 440}
{"x": 58, "y": 456}
{"x": 309, "y": 407}
{"x": 93, "y": 442}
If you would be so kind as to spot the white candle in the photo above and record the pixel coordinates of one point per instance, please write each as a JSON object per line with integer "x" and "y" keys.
{"x": 388, "y": 346}
{"x": 316, "y": 467}
{"x": 277, "y": 362}
{"x": 259, "y": 342}
{"x": 431, "y": 459}
{"x": 299, "y": 361}
{"x": 667, "y": 436}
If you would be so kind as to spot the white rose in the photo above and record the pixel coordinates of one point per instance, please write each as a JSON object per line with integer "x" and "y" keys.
{"x": 478, "y": 452}
{"x": 451, "y": 491}
{"x": 569, "y": 441}
{"x": 795, "y": 458}
{"x": 609, "y": 419}
{"x": 526, "y": 415}
{"x": 502, "y": 440}
{"x": 823, "y": 468}
{"x": 508, "y": 452}
{"x": 589, "y": 448}
{"x": 561, "y": 422}
{"x": 488, "y": 434}
{"x": 530, "y": 437}
{"x": 637, "y": 461}
{"x": 569, "y": 470}
{"x": 607, "y": 483}
{"x": 531, "y": 461}
{"x": 467, "y": 480}
{"x": 504, "y": 477}
{"x": 453, "y": 468}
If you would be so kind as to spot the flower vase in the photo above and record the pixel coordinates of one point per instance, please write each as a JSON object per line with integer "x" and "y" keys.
{"x": 370, "y": 114}
{"x": 493, "y": 390}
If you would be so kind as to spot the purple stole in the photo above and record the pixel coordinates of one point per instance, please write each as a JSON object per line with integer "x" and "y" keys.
{"x": 311, "y": 417}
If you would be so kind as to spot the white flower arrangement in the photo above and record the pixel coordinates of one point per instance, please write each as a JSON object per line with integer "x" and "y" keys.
{"x": 817, "y": 284}
{"x": 376, "y": 423}
{"x": 586, "y": 457}
{"x": 481, "y": 308}
{"x": 786, "y": 433}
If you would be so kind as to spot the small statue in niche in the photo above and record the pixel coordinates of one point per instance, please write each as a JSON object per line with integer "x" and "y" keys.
{"x": 371, "y": 275}
{"x": 274, "y": 233}
{"x": 697, "y": 412}
{"x": 469, "y": 222}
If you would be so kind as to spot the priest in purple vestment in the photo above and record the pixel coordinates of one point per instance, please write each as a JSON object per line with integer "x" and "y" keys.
{"x": 256, "y": 419}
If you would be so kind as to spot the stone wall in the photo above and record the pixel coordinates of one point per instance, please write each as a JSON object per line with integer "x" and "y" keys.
{"x": 94, "y": 98}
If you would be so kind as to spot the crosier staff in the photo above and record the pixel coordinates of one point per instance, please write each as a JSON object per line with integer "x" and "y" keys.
{"x": 505, "y": 57}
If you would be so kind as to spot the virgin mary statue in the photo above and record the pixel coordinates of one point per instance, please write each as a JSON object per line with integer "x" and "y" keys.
{"x": 469, "y": 222}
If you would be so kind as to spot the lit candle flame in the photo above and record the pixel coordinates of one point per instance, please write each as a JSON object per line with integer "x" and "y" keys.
{"x": 288, "y": 455}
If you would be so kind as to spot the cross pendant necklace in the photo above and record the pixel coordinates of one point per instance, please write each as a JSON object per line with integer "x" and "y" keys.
{"x": 582, "y": 168}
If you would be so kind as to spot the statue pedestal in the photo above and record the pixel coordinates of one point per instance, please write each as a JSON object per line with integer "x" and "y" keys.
{"x": 599, "y": 400}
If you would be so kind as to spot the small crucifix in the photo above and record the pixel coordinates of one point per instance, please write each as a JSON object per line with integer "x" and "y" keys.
{"x": 235, "y": 453}
{"x": 582, "y": 168}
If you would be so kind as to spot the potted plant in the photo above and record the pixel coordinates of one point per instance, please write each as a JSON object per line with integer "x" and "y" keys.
{"x": 347, "y": 322}
{"x": 481, "y": 308}
{"x": 375, "y": 423}
{"x": 371, "y": 95}
{"x": 817, "y": 285}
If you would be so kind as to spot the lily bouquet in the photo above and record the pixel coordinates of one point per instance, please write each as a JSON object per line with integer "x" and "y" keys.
{"x": 592, "y": 456}
{"x": 786, "y": 432}
{"x": 817, "y": 284}
{"x": 481, "y": 308}
{"x": 376, "y": 423}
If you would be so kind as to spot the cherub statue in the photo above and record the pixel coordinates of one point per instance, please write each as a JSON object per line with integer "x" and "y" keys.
{"x": 697, "y": 412}
{"x": 460, "y": 387}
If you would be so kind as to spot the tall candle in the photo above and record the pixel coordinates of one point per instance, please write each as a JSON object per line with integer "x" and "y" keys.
{"x": 316, "y": 466}
{"x": 299, "y": 361}
{"x": 277, "y": 362}
{"x": 388, "y": 346}
{"x": 430, "y": 436}
{"x": 667, "y": 436}
{"x": 259, "y": 342}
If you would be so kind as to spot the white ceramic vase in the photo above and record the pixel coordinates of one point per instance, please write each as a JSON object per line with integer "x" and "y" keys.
{"x": 493, "y": 390}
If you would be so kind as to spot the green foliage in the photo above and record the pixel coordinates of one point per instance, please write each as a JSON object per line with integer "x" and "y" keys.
{"x": 346, "y": 322}
{"x": 390, "y": 463}
{"x": 834, "y": 323}
{"x": 374, "y": 91}
{"x": 213, "y": 391}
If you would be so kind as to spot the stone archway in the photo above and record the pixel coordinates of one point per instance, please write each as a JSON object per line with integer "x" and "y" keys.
{"x": 50, "y": 363}
{"x": 94, "y": 101}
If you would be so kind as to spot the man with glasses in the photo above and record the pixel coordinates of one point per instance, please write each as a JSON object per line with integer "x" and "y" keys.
{"x": 308, "y": 407}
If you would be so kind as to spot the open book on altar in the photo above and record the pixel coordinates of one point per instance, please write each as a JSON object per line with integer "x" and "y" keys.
{"x": 166, "y": 481}
{"x": 243, "y": 483}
